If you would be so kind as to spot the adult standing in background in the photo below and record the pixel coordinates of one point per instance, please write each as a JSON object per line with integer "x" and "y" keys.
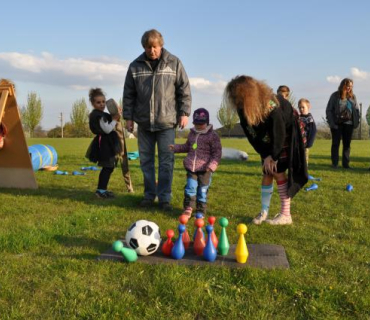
{"x": 157, "y": 97}
{"x": 342, "y": 114}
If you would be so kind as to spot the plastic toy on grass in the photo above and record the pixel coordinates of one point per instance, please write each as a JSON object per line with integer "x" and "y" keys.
{"x": 129, "y": 255}
{"x": 349, "y": 187}
{"x": 43, "y": 156}
{"x": 92, "y": 168}
{"x": 133, "y": 155}
{"x": 78, "y": 173}
{"x": 314, "y": 179}
{"x": 61, "y": 173}
{"x": 313, "y": 186}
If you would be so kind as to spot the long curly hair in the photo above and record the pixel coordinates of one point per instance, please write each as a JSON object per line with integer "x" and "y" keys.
{"x": 345, "y": 82}
{"x": 250, "y": 95}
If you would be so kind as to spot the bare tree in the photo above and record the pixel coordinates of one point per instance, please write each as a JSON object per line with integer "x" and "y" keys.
{"x": 32, "y": 113}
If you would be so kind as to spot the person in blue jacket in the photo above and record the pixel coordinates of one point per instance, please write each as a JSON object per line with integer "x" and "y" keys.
{"x": 308, "y": 123}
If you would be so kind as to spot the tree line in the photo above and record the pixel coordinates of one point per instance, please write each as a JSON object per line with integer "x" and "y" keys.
{"x": 76, "y": 127}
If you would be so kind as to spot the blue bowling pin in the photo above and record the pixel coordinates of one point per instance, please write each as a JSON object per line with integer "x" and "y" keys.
{"x": 313, "y": 186}
{"x": 349, "y": 187}
{"x": 78, "y": 173}
{"x": 198, "y": 215}
{"x": 314, "y": 179}
{"x": 178, "y": 250}
{"x": 61, "y": 173}
{"x": 209, "y": 252}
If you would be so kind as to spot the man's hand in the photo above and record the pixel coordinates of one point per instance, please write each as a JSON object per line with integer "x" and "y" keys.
{"x": 183, "y": 122}
{"x": 130, "y": 126}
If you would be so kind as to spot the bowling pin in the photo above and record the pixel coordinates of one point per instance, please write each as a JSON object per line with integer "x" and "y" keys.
{"x": 199, "y": 243}
{"x": 185, "y": 237}
{"x": 210, "y": 252}
{"x": 314, "y": 179}
{"x": 241, "y": 251}
{"x": 178, "y": 250}
{"x": 129, "y": 255}
{"x": 168, "y": 244}
{"x": 61, "y": 173}
{"x": 313, "y": 186}
{"x": 78, "y": 173}
{"x": 198, "y": 215}
{"x": 223, "y": 243}
{"x": 214, "y": 239}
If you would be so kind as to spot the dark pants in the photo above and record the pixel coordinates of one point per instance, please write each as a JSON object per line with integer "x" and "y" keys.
{"x": 196, "y": 189}
{"x": 344, "y": 132}
{"x": 147, "y": 141}
{"x": 104, "y": 177}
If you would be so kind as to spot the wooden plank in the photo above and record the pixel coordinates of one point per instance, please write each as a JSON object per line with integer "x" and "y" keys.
{"x": 3, "y": 100}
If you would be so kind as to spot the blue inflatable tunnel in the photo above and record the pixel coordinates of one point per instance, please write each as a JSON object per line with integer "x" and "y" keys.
{"x": 42, "y": 156}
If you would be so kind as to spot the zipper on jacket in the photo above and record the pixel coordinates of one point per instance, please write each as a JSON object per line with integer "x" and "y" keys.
{"x": 195, "y": 151}
{"x": 151, "y": 111}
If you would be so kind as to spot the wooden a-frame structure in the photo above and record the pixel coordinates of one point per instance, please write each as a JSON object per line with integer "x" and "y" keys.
{"x": 15, "y": 162}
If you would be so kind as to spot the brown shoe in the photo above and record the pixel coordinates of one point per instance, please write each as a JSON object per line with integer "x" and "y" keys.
{"x": 146, "y": 203}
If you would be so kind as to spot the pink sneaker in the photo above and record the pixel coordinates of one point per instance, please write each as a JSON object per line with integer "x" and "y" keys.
{"x": 188, "y": 211}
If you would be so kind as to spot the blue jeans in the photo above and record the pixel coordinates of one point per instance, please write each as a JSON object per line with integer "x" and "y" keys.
{"x": 196, "y": 189}
{"x": 147, "y": 141}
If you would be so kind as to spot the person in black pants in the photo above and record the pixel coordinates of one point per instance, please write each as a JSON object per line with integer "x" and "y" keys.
{"x": 106, "y": 145}
{"x": 342, "y": 114}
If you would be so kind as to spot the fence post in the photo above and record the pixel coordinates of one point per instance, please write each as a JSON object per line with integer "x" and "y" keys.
{"x": 359, "y": 132}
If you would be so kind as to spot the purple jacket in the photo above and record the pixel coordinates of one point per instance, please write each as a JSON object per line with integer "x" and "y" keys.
{"x": 203, "y": 148}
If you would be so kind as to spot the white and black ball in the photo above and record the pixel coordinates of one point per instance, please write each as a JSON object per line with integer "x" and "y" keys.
{"x": 144, "y": 237}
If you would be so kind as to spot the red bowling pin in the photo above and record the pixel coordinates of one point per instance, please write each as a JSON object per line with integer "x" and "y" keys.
{"x": 168, "y": 245}
{"x": 199, "y": 243}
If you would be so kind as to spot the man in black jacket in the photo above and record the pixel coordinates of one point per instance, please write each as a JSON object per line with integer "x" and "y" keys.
{"x": 157, "y": 97}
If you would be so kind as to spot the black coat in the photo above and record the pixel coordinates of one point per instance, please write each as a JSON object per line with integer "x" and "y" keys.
{"x": 104, "y": 147}
{"x": 268, "y": 138}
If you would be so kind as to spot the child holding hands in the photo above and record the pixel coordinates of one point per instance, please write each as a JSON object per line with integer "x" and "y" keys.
{"x": 204, "y": 150}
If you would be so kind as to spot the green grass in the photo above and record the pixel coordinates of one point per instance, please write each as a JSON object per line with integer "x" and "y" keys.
{"x": 50, "y": 238}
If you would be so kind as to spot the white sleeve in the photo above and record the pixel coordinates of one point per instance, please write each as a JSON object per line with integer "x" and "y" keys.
{"x": 107, "y": 127}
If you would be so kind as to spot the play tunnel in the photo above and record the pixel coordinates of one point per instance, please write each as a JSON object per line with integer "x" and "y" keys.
{"x": 42, "y": 156}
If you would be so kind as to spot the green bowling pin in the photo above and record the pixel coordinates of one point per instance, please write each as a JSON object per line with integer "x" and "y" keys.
{"x": 223, "y": 242}
{"x": 129, "y": 254}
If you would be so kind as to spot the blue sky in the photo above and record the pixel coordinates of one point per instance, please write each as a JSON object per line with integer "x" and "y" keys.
{"x": 61, "y": 49}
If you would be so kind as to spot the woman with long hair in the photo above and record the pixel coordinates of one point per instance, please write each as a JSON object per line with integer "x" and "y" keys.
{"x": 343, "y": 116}
{"x": 270, "y": 124}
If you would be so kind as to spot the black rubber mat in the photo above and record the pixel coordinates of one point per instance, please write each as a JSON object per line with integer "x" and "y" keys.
{"x": 266, "y": 256}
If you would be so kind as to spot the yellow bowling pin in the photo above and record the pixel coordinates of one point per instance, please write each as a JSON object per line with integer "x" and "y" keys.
{"x": 241, "y": 251}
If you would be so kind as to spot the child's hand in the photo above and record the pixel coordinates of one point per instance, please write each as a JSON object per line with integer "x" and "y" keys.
{"x": 171, "y": 147}
{"x": 269, "y": 165}
{"x": 117, "y": 117}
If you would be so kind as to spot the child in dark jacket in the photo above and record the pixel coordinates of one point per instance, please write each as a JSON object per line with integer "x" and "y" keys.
{"x": 309, "y": 126}
{"x": 106, "y": 145}
{"x": 204, "y": 150}
{"x": 271, "y": 125}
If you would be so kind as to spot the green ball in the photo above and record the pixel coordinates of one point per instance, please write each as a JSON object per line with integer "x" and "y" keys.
{"x": 223, "y": 222}
{"x": 117, "y": 246}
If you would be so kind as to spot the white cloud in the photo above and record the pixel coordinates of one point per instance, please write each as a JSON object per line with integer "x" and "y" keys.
{"x": 75, "y": 73}
{"x": 333, "y": 79}
{"x": 206, "y": 86}
{"x": 357, "y": 74}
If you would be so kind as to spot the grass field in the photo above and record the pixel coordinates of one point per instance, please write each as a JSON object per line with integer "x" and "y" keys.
{"x": 50, "y": 238}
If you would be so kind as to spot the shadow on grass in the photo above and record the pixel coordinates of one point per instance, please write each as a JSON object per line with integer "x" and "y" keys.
{"x": 62, "y": 193}
{"x": 83, "y": 242}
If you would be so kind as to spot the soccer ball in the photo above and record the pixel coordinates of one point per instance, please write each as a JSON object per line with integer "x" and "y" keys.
{"x": 144, "y": 237}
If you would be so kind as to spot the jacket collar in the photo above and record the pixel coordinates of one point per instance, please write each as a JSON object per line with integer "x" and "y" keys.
{"x": 165, "y": 56}
{"x": 209, "y": 128}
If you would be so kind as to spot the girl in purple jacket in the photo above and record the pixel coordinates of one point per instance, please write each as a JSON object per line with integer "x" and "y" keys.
{"x": 204, "y": 150}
